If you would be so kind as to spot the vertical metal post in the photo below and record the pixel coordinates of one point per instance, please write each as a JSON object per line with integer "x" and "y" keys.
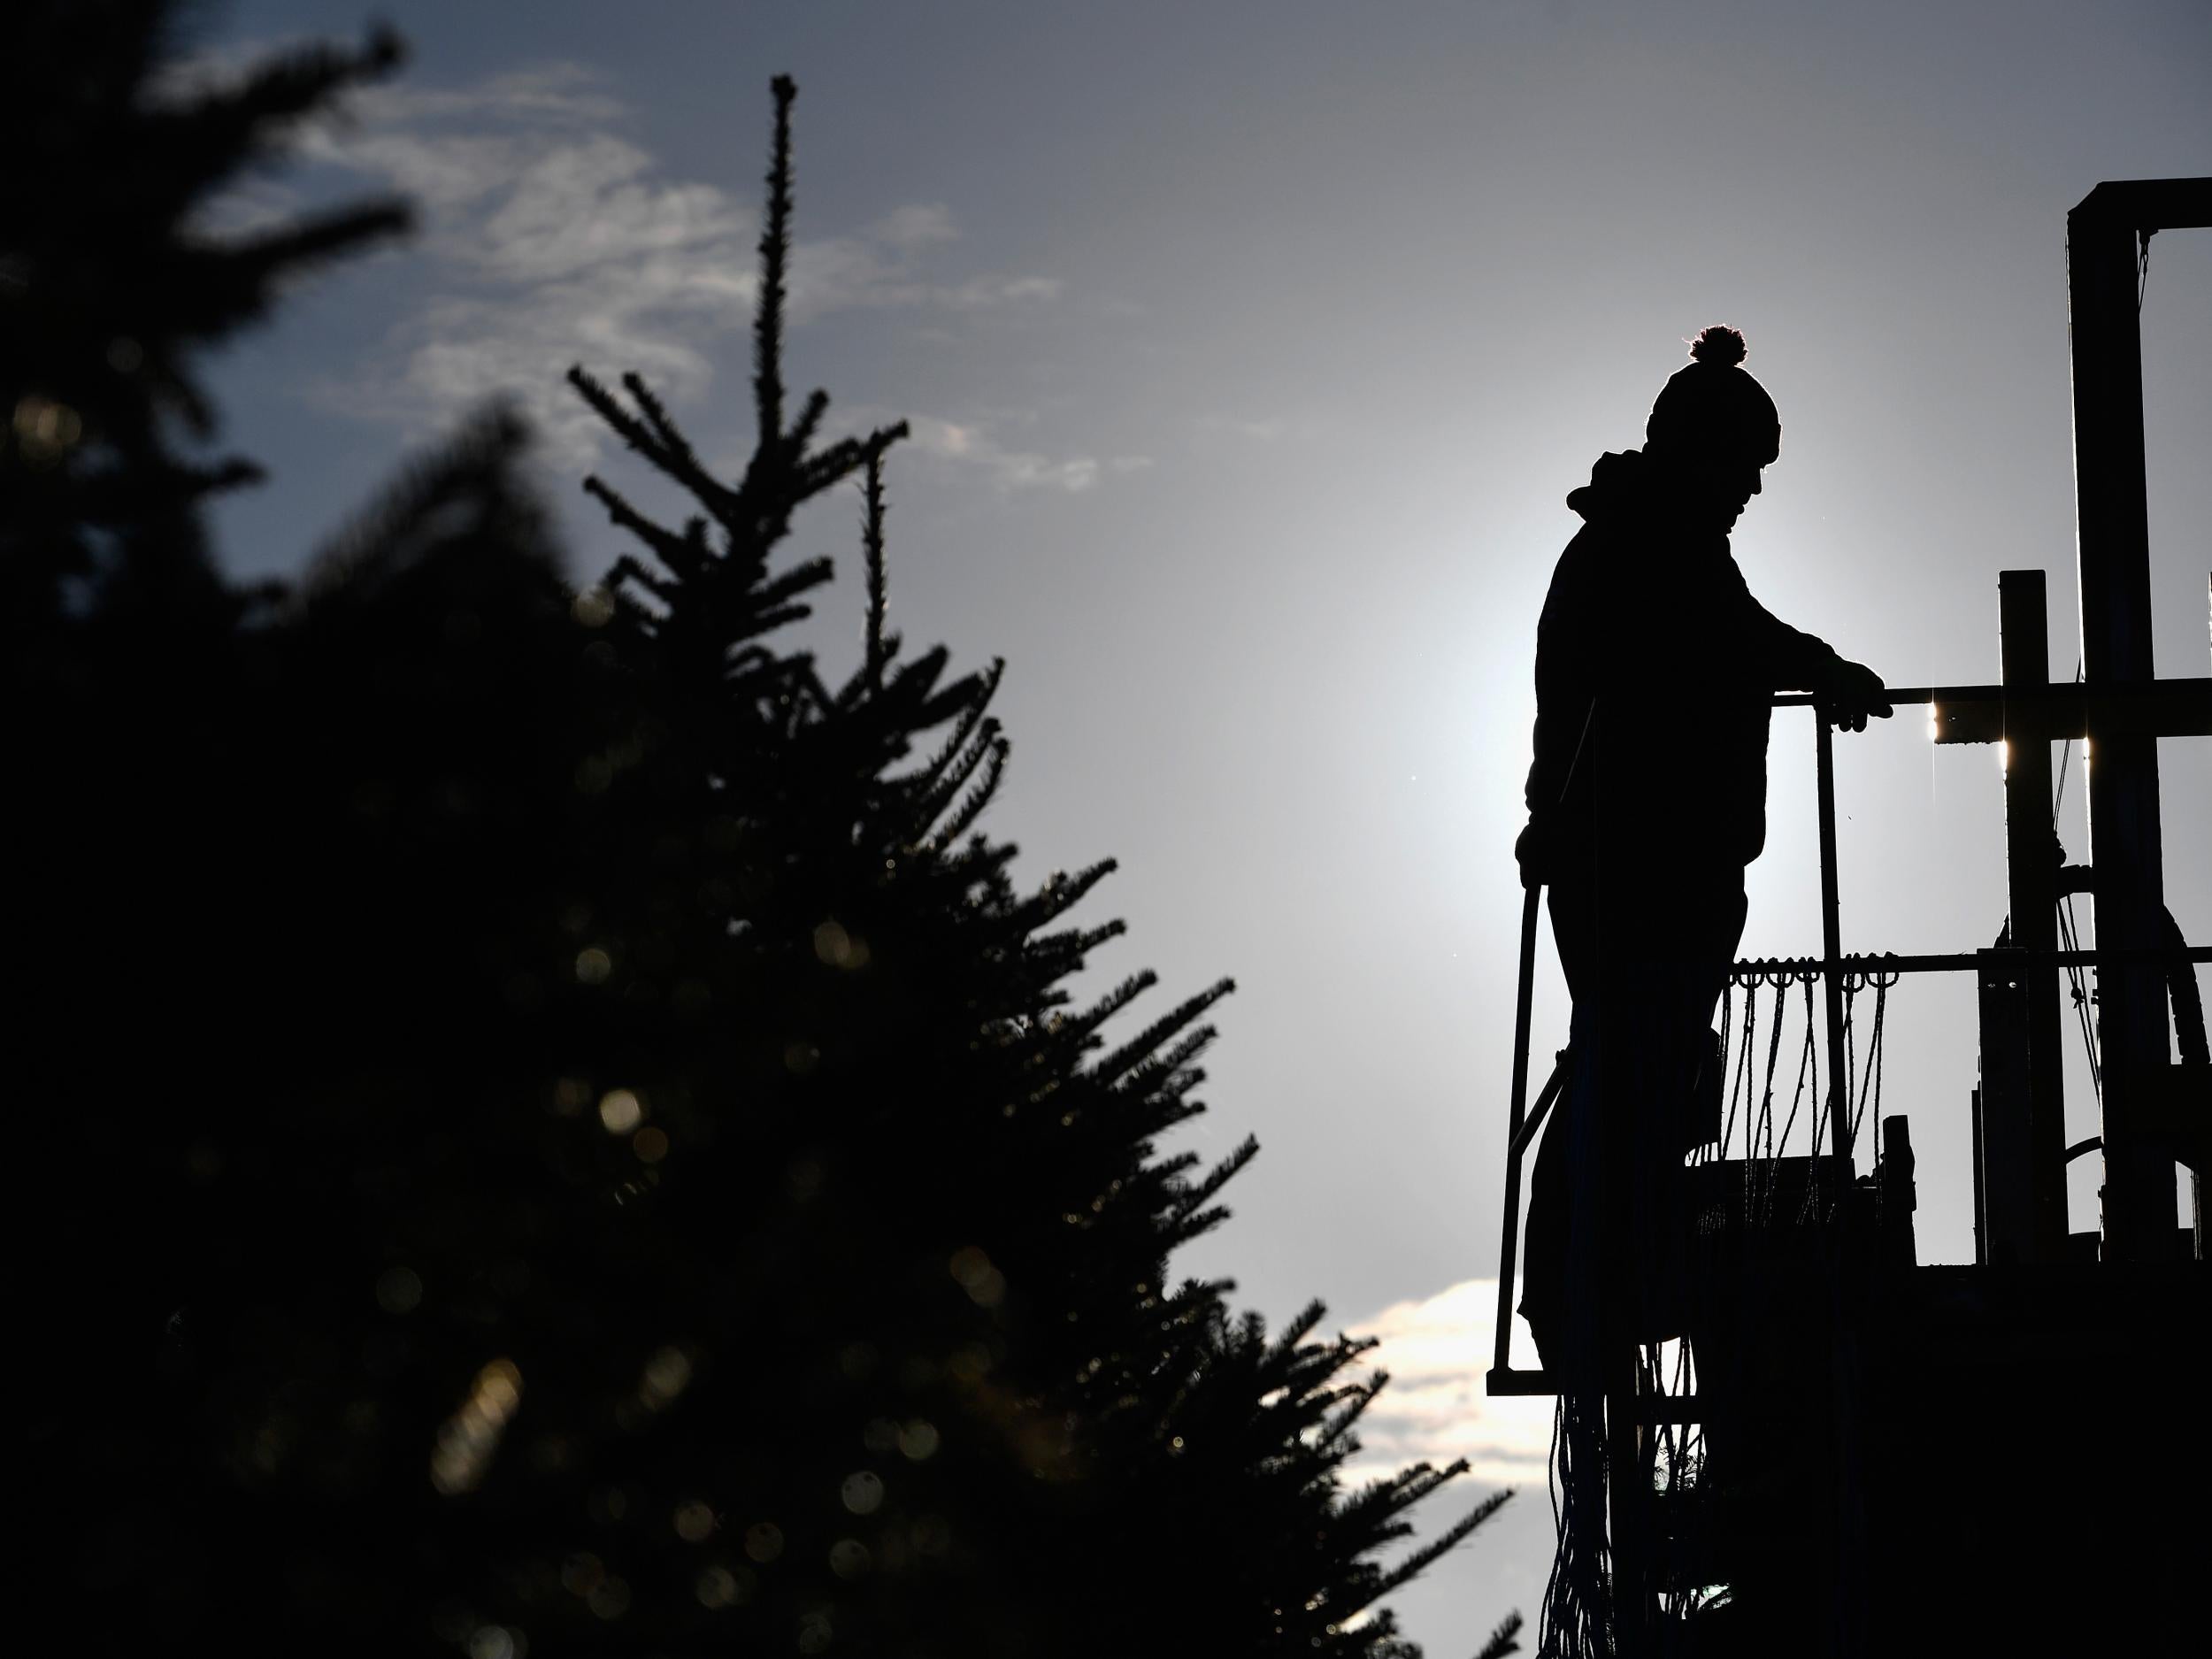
{"x": 2003, "y": 1167}
{"x": 2113, "y": 549}
{"x": 1831, "y": 934}
{"x": 1900, "y": 1194}
{"x": 2031, "y": 886}
{"x": 1981, "y": 1210}
{"x": 1508, "y": 1247}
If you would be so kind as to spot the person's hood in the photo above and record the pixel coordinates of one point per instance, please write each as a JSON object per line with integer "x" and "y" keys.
{"x": 1619, "y": 482}
{"x": 1627, "y": 489}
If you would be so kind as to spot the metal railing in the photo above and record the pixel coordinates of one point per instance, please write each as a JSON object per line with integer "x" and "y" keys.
{"x": 1958, "y": 714}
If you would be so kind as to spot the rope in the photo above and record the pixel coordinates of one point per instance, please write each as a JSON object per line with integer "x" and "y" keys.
{"x": 1741, "y": 1084}
{"x": 1579, "y": 1615}
{"x": 1687, "y": 1447}
{"x": 1702, "y": 1156}
{"x": 1808, "y": 1062}
{"x": 1862, "y": 1077}
{"x": 1579, "y": 1595}
{"x": 1774, "y": 1058}
{"x": 1873, "y": 1074}
{"x": 1852, "y": 983}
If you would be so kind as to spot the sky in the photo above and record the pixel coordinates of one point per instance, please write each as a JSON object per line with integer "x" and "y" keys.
{"x": 1250, "y": 351}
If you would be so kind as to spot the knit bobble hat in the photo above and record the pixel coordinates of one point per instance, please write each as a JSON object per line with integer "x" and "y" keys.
{"x": 1712, "y": 405}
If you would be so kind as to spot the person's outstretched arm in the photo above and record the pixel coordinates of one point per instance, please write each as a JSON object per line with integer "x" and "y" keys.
{"x": 1784, "y": 658}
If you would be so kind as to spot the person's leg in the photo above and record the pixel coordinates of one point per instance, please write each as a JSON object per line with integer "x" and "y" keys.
{"x": 1662, "y": 984}
{"x": 1645, "y": 974}
{"x": 1721, "y": 907}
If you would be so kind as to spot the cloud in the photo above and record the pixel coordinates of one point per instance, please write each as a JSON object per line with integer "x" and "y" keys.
{"x": 969, "y": 444}
{"x": 975, "y": 443}
{"x": 1257, "y": 431}
{"x": 551, "y": 239}
{"x": 1281, "y": 428}
{"x": 553, "y": 91}
{"x": 1437, "y": 1352}
{"x": 918, "y": 226}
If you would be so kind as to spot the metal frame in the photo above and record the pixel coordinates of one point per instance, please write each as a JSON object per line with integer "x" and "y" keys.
{"x": 2108, "y": 238}
{"x": 1957, "y": 716}
{"x": 2121, "y": 704}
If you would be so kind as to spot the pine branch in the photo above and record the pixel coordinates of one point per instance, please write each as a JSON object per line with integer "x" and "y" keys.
{"x": 1503, "y": 1641}
{"x": 766, "y": 622}
{"x": 879, "y": 585}
{"x": 373, "y": 545}
{"x": 248, "y": 119}
{"x": 1219, "y": 1176}
{"x": 603, "y": 402}
{"x": 949, "y": 702}
{"x": 1166, "y": 1117}
{"x": 680, "y": 554}
{"x": 1308, "y": 1377}
{"x": 1063, "y": 952}
{"x": 653, "y": 435}
{"x": 1107, "y": 1006}
{"x": 954, "y": 777}
{"x": 969, "y": 698}
{"x": 775, "y": 249}
{"x": 979, "y": 797}
{"x": 1163, "y": 1173}
{"x": 1413, "y": 1565}
{"x": 800, "y": 577}
{"x": 1368, "y": 1511}
{"x": 1127, "y": 1056}
{"x": 1193, "y": 1226}
{"x": 655, "y": 413}
{"x": 1330, "y": 1435}
{"x": 910, "y": 690}
{"x": 627, "y": 573}
{"x": 1159, "y": 1071}
{"x": 342, "y": 231}
{"x": 826, "y": 467}
{"x": 1062, "y": 894}
{"x": 678, "y": 458}
{"x": 809, "y": 423}
{"x": 980, "y": 861}
{"x": 1299, "y": 1326}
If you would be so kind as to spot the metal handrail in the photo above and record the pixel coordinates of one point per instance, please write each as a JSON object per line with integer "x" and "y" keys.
{"x": 1832, "y": 965}
{"x": 1964, "y": 961}
{"x": 1517, "y": 1143}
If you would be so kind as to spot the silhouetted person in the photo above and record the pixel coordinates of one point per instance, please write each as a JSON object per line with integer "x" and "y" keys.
{"x": 1654, "y": 667}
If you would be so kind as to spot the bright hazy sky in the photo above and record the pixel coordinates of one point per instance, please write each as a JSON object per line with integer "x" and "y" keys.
{"x": 1251, "y": 350}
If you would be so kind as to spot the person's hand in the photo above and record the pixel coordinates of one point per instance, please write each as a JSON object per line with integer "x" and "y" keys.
{"x": 1527, "y": 852}
{"x": 1854, "y": 693}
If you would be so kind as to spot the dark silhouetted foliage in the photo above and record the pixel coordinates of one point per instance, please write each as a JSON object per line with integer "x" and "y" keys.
{"x": 551, "y": 1131}
{"x": 111, "y": 276}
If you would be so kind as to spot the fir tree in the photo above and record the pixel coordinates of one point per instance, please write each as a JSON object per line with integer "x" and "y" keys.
{"x": 553, "y": 1129}
{"x": 1045, "y": 1432}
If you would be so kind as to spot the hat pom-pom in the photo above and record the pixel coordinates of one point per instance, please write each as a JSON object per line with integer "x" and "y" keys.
{"x": 1720, "y": 345}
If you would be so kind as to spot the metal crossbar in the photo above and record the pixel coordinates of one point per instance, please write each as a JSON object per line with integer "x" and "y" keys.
{"x": 1753, "y": 971}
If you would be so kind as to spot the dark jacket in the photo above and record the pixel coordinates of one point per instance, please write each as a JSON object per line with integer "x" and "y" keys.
{"x": 1654, "y": 668}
